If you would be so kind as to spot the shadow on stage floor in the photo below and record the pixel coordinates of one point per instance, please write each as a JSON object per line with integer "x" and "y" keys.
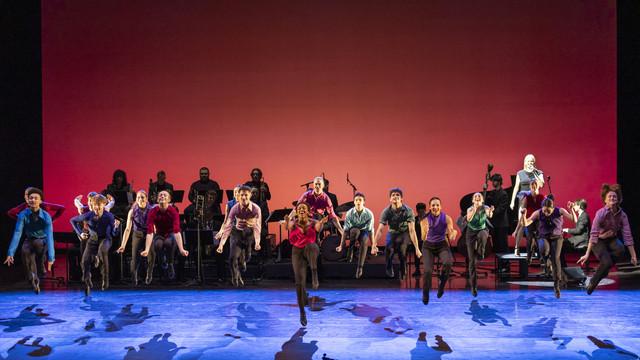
{"x": 344, "y": 323}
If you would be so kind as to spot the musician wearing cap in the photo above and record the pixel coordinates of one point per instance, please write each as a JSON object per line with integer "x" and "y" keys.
{"x": 358, "y": 227}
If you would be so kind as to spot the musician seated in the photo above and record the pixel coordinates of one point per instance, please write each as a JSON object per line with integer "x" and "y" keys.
{"x": 206, "y": 191}
{"x": 117, "y": 186}
{"x": 160, "y": 184}
{"x": 579, "y": 235}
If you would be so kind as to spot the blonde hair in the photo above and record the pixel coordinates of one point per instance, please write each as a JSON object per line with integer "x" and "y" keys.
{"x": 528, "y": 156}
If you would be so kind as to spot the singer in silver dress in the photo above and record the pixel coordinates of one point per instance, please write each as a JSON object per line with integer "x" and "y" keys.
{"x": 526, "y": 176}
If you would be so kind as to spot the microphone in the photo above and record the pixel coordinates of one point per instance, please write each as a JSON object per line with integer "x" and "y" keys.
{"x": 306, "y": 184}
{"x": 489, "y": 167}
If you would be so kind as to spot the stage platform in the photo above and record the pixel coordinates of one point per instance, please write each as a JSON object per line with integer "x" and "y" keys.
{"x": 345, "y": 322}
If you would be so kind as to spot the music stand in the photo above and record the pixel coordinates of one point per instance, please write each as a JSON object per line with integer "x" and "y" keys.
{"x": 121, "y": 197}
{"x": 277, "y": 216}
{"x": 177, "y": 196}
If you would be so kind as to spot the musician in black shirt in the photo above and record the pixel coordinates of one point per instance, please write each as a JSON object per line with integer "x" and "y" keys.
{"x": 332, "y": 196}
{"x": 260, "y": 195}
{"x": 499, "y": 199}
{"x": 207, "y": 188}
{"x": 161, "y": 184}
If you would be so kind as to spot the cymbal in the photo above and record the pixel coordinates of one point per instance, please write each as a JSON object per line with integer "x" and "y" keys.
{"x": 345, "y": 207}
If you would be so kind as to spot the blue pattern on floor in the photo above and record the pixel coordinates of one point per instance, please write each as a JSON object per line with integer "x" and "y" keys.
{"x": 343, "y": 324}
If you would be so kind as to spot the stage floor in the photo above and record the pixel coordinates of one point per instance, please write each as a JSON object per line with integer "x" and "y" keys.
{"x": 364, "y": 323}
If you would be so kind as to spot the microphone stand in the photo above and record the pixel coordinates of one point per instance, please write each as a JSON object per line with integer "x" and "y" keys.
{"x": 351, "y": 184}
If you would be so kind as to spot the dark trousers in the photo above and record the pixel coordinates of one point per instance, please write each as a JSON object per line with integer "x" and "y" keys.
{"x": 138, "y": 239}
{"x": 608, "y": 251}
{"x": 476, "y": 241}
{"x": 360, "y": 236}
{"x": 429, "y": 252}
{"x": 33, "y": 250}
{"x": 162, "y": 245}
{"x": 500, "y": 239}
{"x": 397, "y": 243}
{"x": 95, "y": 247}
{"x": 240, "y": 245}
{"x": 550, "y": 248}
{"x": 300, "y": 259}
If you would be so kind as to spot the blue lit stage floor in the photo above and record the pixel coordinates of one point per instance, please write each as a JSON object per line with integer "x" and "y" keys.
{"x": 255, "y": 323}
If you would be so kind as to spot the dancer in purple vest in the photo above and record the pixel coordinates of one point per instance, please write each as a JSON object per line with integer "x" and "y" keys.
{"x": 610, "y": 224}
{"x": 440, "y": 231}
{"x": 550, "y": 237}
{"x": 136, "y": 219}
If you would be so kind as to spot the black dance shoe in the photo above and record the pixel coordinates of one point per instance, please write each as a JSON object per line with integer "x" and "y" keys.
{"x": 590, "y": 288}
{"x": 440, "y": 290}
{"x": 474, "y": 291}
{"x": 556, "y": 290}
{"x": 390, "y": 272}
{"x": 171, "y": 273}
{"x": 425, "y": 297}
{"x": 35, "y": 282}
{"x": 303, "y": 318}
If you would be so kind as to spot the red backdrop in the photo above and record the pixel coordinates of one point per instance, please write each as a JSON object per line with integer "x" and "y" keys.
{"x": 420, "y": 95}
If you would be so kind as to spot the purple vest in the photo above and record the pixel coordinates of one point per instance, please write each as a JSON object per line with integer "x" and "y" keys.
{"x": 139, "y": 218}
{"x": 437, "y": 227}
{"x": 550, "y": 225}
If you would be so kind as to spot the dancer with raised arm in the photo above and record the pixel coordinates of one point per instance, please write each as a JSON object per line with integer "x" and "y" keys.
{"x": 54, "y": 210}
{"x": 550, "y": 237}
